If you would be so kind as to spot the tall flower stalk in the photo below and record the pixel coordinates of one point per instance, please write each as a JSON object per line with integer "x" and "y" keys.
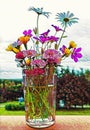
{"x": 61, "y": 37}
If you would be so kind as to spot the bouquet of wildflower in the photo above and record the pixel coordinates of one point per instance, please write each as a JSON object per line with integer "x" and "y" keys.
{"x": 39, "y": 52}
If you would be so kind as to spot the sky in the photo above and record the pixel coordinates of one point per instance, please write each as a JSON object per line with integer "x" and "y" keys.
{"x": 15, "y": 17}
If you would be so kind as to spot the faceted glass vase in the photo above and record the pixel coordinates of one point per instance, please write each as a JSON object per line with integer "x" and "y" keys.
{"x": 40, "y": 100}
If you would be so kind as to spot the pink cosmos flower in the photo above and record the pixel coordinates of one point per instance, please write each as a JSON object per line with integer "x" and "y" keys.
{"x": 29, "y": 53}
{"x": 38, "y": 62}
{"x": 51, "y": 55}
{"x": 76, "y": 54}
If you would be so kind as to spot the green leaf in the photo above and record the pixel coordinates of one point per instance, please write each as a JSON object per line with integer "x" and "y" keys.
{"x": 64, "y": 36}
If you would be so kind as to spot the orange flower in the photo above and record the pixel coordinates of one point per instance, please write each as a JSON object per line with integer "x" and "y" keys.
{"x": 24, "y": 39}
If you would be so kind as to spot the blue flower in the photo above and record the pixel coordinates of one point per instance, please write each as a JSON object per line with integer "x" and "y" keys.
{"x": 39, "y": 11}
{"x": 66, "y": 19}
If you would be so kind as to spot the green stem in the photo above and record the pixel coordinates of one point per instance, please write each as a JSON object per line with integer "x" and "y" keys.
{"x": 31, "y": 100}
{"x": 37, "y": 33}
{"x": 47, "y": 107}
{"x": 37, "y": 25}
{"x": 61, "y": 36}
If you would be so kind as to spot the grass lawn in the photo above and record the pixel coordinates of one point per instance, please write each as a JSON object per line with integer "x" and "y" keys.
{"x": 78, "y": 111}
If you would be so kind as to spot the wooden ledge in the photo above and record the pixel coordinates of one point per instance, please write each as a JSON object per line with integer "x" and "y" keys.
{"x": 62, "y": 123}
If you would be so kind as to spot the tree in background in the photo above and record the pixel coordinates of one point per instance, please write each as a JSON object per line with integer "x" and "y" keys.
{"x": 10, "y": 90}
{"x": 73, "y": 89}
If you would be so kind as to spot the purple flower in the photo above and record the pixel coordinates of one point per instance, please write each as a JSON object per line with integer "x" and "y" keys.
{"x": 56, "y": 28}
{"x": 16, "y": 44}
{"x": 42, "y": 39}
{"x": 53, "y": 39}
{"x": 63, "y": 49}
{"x": 36, "y": 38}
{"x": 76, "y": 54}
{"x": 45, "y": 34}
{"x": 29, "y": 32}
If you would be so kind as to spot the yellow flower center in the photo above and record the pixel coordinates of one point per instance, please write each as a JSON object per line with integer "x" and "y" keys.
{"x": 27, "y": 61}
{"x": 67, "y": 52}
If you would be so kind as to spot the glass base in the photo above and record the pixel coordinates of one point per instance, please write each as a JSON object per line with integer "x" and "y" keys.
{"x": 39, "y": 123}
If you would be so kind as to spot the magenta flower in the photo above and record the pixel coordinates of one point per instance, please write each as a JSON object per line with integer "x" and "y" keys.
{"x": 76, "y": 54}
{"x": 29, "y": 32}
{"x": 56, "y": 28}
{"x": 38, "y": 62}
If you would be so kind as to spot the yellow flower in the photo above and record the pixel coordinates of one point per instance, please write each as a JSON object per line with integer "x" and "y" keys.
{"x": 15, "y": 50}
{"x": 67, "y": 52}
{"x": 72, "y": 44}
{"x": 27, "y": 61}
{"x": 9, "y": 48}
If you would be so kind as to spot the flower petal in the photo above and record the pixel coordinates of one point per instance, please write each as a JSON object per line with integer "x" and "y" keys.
{"x": 78, "y": 49}
{"x": 75, "y": 59}
{"x": 79, "y": 55}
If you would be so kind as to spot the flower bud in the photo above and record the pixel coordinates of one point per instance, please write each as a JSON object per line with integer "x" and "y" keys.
{"x": 72, "y": 44}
